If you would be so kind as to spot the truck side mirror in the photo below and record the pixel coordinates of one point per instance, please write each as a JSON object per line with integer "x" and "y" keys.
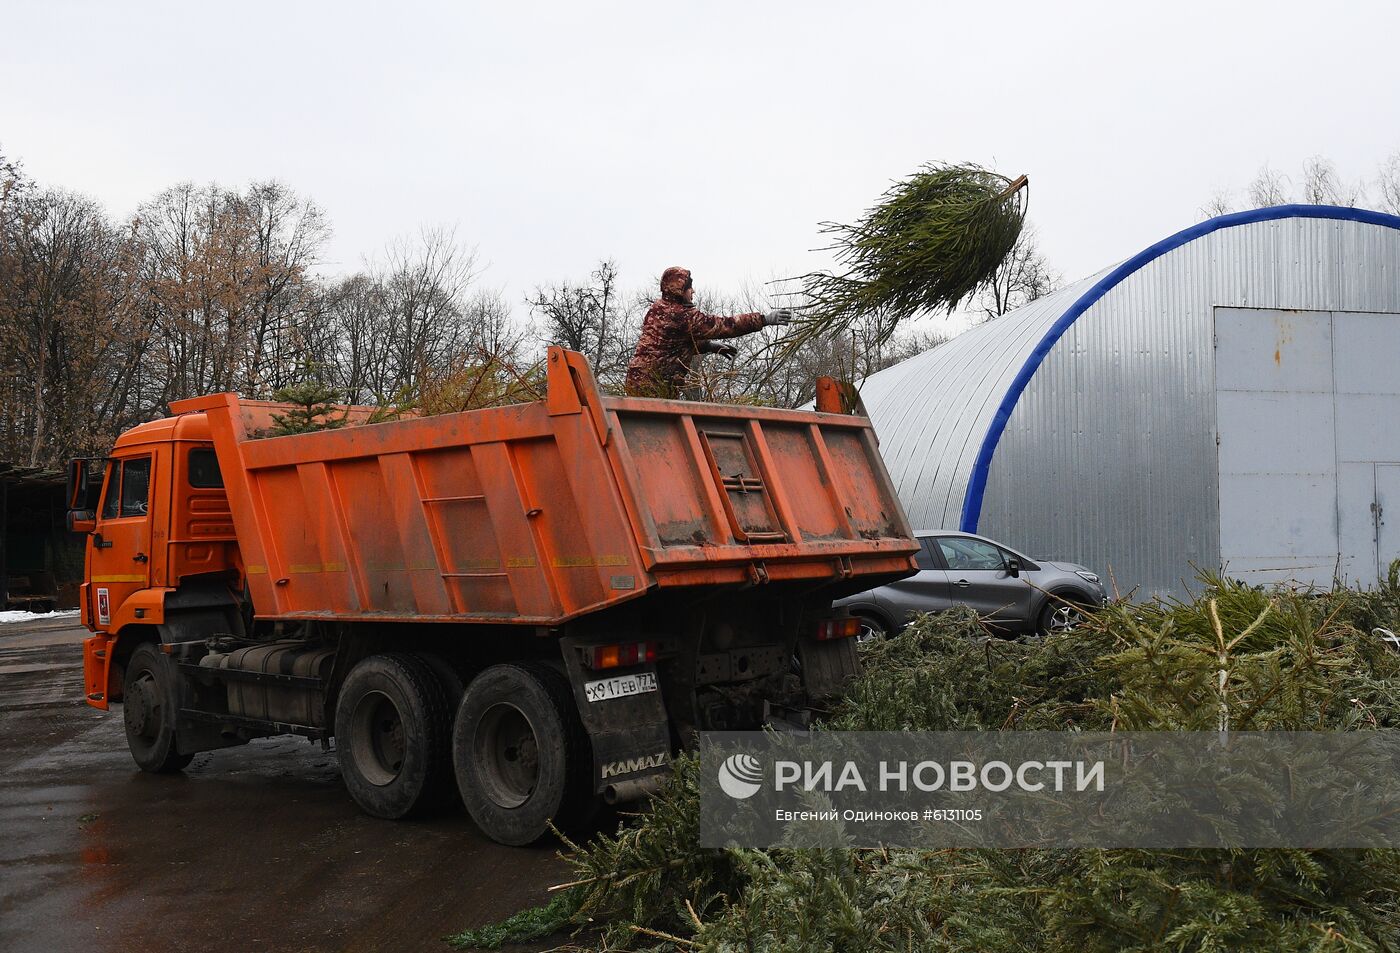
{"x": 84, "y": 489}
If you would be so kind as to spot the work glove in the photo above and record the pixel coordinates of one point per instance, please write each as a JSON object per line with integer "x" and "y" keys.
{"x": 722, "y": 349}
{"x": 779, "y": 317}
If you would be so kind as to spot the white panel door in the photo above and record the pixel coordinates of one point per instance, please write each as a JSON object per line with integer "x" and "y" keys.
{"x": 1386, "y": 516}
{"x": 1366, "y": 354}
{"x": 1308, "y": 430}
{"x": 1276, "y": 434}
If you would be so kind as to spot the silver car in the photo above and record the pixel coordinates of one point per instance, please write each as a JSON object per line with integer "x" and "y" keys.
{"x": 1012, "y": 592}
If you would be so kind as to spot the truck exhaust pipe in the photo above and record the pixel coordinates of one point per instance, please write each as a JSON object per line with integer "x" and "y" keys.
{"x": 633, "y": 789}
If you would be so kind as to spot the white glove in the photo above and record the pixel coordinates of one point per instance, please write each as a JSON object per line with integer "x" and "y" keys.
{"x": 779, "y": 317}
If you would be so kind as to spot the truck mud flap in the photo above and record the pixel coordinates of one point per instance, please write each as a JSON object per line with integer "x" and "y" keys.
{"x": 827, "y": 667}
{"x": 630, "y": 734}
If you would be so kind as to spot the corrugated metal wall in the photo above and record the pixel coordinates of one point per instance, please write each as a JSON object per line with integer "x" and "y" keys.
{"x": 932, "y": 411}
{"x": 1108, "y": 457}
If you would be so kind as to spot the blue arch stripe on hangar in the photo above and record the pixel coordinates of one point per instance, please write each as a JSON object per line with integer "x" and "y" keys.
{"x": 977, "y": 482}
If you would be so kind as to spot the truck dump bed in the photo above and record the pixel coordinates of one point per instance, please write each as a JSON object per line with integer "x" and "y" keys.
{"x": 538, "y": 513}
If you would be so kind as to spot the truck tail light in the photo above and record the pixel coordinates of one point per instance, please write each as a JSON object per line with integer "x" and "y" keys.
{"x": 622, "y": 653}
{"x": 837, "y": 628}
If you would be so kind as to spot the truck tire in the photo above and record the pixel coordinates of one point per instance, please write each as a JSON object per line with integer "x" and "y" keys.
{"x": 393, "y": 731}
{"x": 443, "y": 796}
{"x": 150, "y": 700}
{"x": 447, "y": 675}
{"x": 521, "y": 754}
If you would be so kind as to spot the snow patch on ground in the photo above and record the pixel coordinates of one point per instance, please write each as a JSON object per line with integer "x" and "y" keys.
{"x": 23, "y": 615}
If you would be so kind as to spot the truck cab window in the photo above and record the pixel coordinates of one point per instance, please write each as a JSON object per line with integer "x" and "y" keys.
{"x": 204, "y": 469}
{"x": 133, "y": 489}
{"x": 113, "y": 492}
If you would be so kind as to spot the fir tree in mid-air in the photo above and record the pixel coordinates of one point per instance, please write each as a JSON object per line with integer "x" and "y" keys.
{"x": 933, "y": 240}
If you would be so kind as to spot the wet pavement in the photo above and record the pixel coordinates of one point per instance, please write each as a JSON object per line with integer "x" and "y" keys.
{"x": 250, "y": 849}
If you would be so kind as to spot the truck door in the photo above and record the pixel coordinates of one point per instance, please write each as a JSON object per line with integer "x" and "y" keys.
{"x": 119, "y": 549}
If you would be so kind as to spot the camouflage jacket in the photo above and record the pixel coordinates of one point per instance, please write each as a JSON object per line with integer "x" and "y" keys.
{"x": 671, "y": 335}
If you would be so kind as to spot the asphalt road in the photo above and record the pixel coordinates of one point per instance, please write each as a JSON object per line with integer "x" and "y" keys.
{"x": 250, "y": 849}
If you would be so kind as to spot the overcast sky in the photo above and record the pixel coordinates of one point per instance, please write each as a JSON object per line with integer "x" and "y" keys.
{"x": 715, "y": 136}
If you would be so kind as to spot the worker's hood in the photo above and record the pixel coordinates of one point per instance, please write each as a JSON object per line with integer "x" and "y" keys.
{"x": 674, "y": 281}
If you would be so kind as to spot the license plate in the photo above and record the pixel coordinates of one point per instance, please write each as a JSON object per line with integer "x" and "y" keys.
{"x": 620, "y": 686}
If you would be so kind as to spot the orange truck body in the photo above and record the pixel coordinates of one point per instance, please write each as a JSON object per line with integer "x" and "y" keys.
{"x": 537, "y": 513}
{"x": 527, "y": 517}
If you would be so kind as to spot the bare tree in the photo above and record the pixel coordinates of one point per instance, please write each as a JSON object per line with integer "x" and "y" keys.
{"x": 424, "y": 283}
{"x": 227, "y": 286}
{"x": 411, "y": 321}
{"x": 1221, "y": 203}
{"x": 591, "y": 318}
{"x": 354, "y": 309}
{"x": 12, "y": 182}
{"x": 1323, "y": 186}
{"x": 68, "y": 338}
{"x": 1388, "y": 184}
{"x": 1269, "y": 188}
{"x": 494, "y": 327}
{"x": 1024, "y": 276}
{"x": 493, "y": 366}
{"x": 288, "y": 234}
{"x": 208, "y": 289}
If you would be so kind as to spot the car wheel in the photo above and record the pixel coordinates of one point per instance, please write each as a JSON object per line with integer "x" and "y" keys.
{"x": 1059, "y": 614}
{"x": 871, "y": 629}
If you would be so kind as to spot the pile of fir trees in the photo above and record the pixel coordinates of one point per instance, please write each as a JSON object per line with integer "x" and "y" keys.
{"x": 1291, "y": 662}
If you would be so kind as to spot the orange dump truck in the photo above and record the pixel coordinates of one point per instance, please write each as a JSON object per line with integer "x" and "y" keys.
{"x": 533, "y": 605}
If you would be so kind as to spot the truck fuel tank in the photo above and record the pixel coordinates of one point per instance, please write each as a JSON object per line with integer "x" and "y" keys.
{"x": 277, "y": 681}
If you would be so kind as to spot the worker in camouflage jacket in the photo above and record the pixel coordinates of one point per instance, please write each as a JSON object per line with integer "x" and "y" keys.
{"x": 674, "y": 331}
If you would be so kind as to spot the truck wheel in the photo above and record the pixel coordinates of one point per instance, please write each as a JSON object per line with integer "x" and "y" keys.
{"x": 447, "y": 675}
{"x": 150, "y": 700}
{"x": 393, "y": 728}
{"x": 443, "y": 795}
{"x": 521, "y": 754}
